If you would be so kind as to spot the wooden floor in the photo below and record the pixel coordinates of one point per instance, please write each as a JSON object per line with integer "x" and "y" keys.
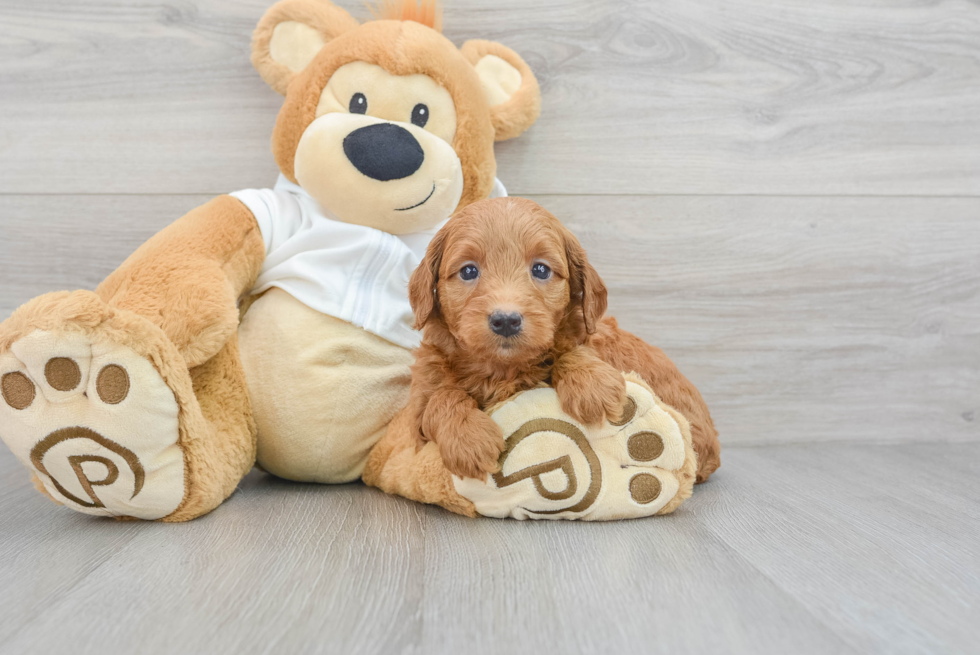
{"x": 784, "y": 196}
{"x": 804, "y": 548}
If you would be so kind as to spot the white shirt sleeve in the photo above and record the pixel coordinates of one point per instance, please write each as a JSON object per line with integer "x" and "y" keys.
{"x": 278, "y": 214}
{"x": 499, "y": 190}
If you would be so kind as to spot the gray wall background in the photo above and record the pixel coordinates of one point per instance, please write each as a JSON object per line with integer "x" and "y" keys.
{"x": 786, "y": 198}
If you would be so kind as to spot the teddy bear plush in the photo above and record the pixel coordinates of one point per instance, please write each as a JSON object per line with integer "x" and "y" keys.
{"x": 272, "y": 326}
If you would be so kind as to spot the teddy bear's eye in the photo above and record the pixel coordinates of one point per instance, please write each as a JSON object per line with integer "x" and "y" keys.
{"x": 420, "y": 115}
{"x": 469, "y": 272}
{"x": 358, "y": 104}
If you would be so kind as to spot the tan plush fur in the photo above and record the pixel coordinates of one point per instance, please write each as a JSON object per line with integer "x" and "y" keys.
{"x": 218, "y": 445}
{"x": 188, "y": 278}
{"x": 322, "y": 390}
{"x": 463, "y": 367}
{"x": 514, "y": 117}
{"x": 36, "y": 481}
{"x": 401, "y": 48}
{"x": 226, "y": 452}
{"x": 688, "y": 473}
{"x": 328, "y": 19}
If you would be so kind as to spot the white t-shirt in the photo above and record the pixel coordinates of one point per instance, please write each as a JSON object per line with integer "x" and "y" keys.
{"x": 358, "y": 274}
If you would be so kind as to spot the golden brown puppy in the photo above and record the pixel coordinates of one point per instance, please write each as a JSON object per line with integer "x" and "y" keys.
{"x": 508, "y": 300}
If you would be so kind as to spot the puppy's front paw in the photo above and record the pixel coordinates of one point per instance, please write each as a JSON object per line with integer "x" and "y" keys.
{"x": 472, "y": 451}
{"x": 592, "y": 394}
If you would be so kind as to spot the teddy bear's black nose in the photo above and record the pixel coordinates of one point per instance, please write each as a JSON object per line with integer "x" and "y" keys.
{"x": 384, "y": 151}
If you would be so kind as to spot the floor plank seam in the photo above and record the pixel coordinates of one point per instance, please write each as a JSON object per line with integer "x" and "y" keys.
{"x": 846, "y": 442}
{"x": 787, "y": 594}
{"x": 211, "y": 194}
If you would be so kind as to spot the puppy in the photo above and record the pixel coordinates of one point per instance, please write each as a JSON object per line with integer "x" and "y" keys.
{"x": 508, "y": 300}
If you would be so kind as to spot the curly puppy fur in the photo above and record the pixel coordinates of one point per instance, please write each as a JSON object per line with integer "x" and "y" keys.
{"x": 463, "y": 366}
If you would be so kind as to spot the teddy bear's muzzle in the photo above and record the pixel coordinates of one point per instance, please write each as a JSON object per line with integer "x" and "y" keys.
{"x": 384, "y": 151}
{"x": 395, "y": 177}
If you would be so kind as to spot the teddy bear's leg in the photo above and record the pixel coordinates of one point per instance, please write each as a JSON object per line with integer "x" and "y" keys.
{"x": 554, "y": 467}
{"x": 225, "y": 448}
{"x": 114, "y": 404}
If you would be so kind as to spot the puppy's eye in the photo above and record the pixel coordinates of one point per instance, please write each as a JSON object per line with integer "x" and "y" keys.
{"x": 541, "y": 271}
{"x": 420, "y": 115}
{"x": 358, "y": 104}
{"x": 469, "y": 272}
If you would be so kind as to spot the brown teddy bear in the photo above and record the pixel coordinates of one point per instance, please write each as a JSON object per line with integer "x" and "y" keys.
{"x": 273, "y": 326}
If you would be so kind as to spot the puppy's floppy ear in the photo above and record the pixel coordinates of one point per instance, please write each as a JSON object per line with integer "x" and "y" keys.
{"x": 289, "y": 36}
{"x": 511, "y": 88}
{"x": 585, "y": 285}
{"x": 422, "y": 285}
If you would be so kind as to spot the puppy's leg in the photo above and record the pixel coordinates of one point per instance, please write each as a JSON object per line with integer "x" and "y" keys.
{"x": 469, "y": 441}
{"x": 397, "y": 466}
{"x": 590, "y": 390}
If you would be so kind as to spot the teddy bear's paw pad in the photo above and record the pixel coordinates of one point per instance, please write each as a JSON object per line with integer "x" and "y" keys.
{"x": 95, "y": 422}
{"x": 556, "y": 468}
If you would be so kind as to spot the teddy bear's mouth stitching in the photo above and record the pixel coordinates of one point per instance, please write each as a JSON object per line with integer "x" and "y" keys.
{"x": 405, "y": 209}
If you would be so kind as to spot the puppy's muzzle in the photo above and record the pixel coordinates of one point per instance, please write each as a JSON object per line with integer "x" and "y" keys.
{"x": 384, "y": 151}
{"x": 506, "y": 325}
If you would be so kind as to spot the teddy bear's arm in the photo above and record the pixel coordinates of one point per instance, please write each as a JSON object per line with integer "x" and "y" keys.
{"x": 188, "y": 278}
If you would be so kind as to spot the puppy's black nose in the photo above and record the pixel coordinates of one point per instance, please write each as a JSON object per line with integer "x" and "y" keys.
{"x": 384, "y": 151}
{"x": 506, "y": 325}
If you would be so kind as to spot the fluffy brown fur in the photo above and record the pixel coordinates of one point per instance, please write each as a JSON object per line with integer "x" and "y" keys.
{"x": 463, "y": 367}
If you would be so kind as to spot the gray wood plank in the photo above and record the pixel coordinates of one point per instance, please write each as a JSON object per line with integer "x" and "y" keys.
{"x": 46, "y": 551}
{"x": 823, "y": 548}
{"x": 735, "y": 97}
{"x": 279, "y": 568}
{"x": 640, "y": 587}
{"x": 50, "y": 243}
{"x": 800, "y": 319}
{"x": 859, "y": 535}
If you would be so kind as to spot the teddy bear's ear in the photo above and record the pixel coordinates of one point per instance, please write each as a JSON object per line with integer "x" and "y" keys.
{"x": 511, "y": 88}
{"x": 290, "y": 35}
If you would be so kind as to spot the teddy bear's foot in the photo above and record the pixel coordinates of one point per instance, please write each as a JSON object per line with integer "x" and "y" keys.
{"x": 96, "y": 424}
{"x": 556, "y": 468}
{"x": 93, "y": 420}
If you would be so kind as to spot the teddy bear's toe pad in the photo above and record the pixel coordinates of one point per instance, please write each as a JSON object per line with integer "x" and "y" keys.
{"x": 556, "y": 468}
{"x": 95, "y": 422}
